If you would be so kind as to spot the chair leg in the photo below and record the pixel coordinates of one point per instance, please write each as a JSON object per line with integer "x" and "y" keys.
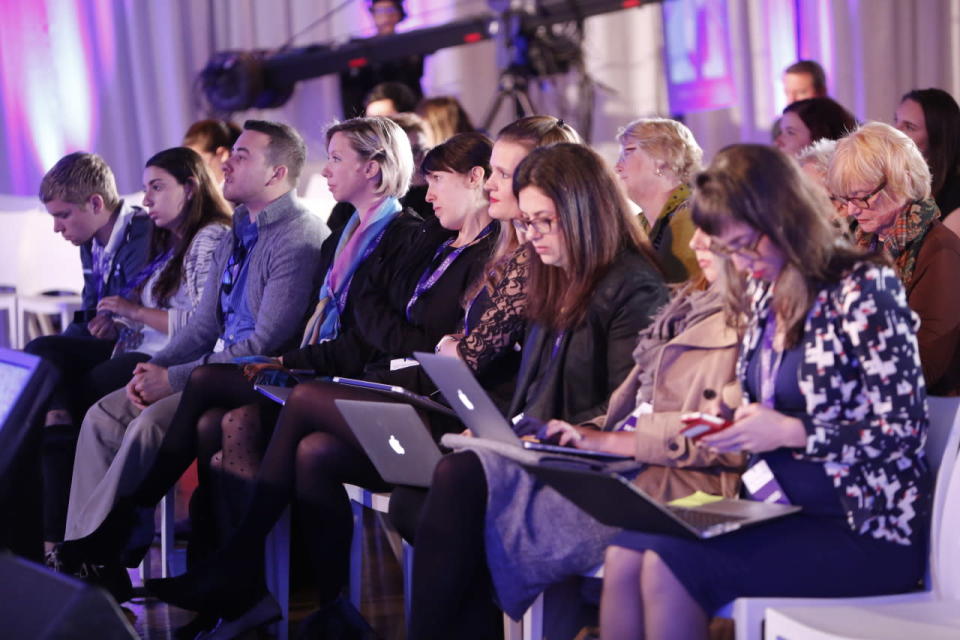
{"x": 167, "y": 536}
{"x": 407, "y": 564}
{"x": 277, "y": 570}
{"x": 533, "y": 620}
{"x": 512, "y": 630}
{"x": 356, "y": 554}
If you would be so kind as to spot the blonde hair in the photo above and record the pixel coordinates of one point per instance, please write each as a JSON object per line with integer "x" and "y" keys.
{"x": 668, "y": 141}
{"x": 875, "y": 153}
{"x": 380, "y": 139}
{"x": 76, "y": 177}
{"x": 445, "y": 117}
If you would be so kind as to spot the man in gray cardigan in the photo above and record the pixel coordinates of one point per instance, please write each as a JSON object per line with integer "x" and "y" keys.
{"x": 259, "y": 293}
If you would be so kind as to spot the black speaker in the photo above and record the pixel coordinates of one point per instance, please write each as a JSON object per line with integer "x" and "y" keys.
{"x": 36, "y": 602}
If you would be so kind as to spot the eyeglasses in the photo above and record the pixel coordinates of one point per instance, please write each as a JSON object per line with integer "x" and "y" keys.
{"x": 542, "y": 227}
{"x": 860, "y": 202}
{"x": 747, "y": 250}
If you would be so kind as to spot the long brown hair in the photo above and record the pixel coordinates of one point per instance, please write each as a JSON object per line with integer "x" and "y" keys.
{"x": 530, "y": 132}
{"x": 205, "y": 206}
{"x": 596, "y": 223}
{"x": 761, "y": 187}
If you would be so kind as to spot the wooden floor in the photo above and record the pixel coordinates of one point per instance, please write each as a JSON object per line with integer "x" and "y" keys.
{"x": 382, "y": 595}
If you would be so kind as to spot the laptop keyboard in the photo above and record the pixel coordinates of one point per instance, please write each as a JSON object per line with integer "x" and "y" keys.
{"x": 704, "y": 520}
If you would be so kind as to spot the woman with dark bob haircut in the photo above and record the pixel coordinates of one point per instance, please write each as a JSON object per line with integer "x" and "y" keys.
{"x": 837, "y": 434}
{"x": 592, "y": 289}
{"x": 806, "y": 121}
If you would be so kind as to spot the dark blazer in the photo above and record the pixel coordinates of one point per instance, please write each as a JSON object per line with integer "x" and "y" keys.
{"x": 932, "y": 294}
{"x": 350, "y": 352}
{"x": 374, "y": 328}
{"x": 593, "y": 359}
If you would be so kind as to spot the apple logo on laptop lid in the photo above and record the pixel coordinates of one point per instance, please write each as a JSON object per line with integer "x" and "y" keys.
{"x": 395, "y": 445}
{"x": 464, "y": 399}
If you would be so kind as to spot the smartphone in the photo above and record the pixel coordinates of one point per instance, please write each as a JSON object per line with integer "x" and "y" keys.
{"x": 700, "y": 424}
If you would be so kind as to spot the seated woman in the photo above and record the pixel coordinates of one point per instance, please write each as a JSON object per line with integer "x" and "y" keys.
{"x": 806, "y": 121}
{"x": 841, "y": 439}
{"x": 413, "y": 310}
{"x": 190, "y": 217}
{"x": 884, "y": 182}
{"x": 532, "y": 536}
{"x": 593, "y": 287}
{"x": 931, "y": 118}
{"x": 658, "y": 157}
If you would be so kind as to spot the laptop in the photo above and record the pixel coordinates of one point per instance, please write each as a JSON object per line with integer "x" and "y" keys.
{"x": 279, "y": 394}
{"x": 614, "y": 500}
{"x": 394, "y": 438}
{"x": 479, "y": 413}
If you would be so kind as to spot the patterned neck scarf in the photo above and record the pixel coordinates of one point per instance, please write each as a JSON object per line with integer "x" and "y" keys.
{"x": 677, "y": 197}
{"x": 906, "y": 236}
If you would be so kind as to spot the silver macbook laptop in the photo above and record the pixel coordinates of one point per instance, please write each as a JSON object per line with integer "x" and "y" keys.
{"x": 614, "y": 500}
{"x": 394, "y": 438}
{"x": 478, "y": 412}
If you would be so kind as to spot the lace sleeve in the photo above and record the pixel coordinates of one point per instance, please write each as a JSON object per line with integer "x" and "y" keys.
{"x": 502, "y": 322}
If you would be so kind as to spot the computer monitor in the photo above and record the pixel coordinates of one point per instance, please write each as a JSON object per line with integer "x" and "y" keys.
{"x": 26, "y": 382}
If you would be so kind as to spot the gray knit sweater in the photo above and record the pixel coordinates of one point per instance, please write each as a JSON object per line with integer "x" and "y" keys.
{"x": 282, "y": 285}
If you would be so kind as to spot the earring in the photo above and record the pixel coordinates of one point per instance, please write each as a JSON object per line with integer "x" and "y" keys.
{"x": 659, "y": 171}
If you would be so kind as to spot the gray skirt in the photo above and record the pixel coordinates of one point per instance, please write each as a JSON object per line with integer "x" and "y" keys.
{"x": 534, "y": 537}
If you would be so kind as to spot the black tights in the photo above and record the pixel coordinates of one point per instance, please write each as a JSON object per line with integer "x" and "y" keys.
{"x": 452, "y": 595}
{"x": 192, "y": 434}
{"x": 312, "y": 452}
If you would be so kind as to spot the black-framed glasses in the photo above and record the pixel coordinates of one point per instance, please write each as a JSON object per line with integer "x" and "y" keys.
{"x": 861, "y": 202}
{"x": 747, "y": 250}
{"x": 542, "y": 227}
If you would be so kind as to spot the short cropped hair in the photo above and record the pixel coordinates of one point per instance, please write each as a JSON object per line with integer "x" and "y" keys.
{"x": 668, "y": 141}
{"x": 286, "y": 146}
{"x": 815, "y": 71}
{"x": 875, "y": 153}
{"x": 380, "y": 139}
{"x": 76, "y": 177}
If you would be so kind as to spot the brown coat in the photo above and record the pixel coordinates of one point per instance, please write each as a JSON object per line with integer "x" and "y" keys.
{"x": 932, "y": 294}
{"x": 695, "y": 372}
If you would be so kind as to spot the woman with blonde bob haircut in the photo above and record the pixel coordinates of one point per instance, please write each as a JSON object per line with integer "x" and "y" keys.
{"x": 658, "y": 156}
{"x": 382, "y": 141}
{"x": 883, "y": 181}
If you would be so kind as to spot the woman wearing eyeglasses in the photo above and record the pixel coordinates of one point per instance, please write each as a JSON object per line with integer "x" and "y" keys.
{"x": 591, "y": 288}
{"x": 658, "y": 156}
{"x": 834, "y": 418}
{"x": 883, "y": 181}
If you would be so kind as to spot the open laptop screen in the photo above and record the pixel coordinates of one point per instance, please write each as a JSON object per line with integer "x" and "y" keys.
{"x": 13, "y": 378}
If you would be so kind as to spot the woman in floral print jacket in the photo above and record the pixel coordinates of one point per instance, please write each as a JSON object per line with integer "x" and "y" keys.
{"x": 834, "y": 418}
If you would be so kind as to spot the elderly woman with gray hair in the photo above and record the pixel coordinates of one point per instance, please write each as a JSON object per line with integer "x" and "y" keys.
{"x": 658, "y": 156}
{"x": 879, "y": 175}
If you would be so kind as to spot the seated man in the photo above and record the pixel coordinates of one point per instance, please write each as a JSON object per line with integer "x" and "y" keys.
{"x": 80, "y": 193}
{"x": 260, "y": 291}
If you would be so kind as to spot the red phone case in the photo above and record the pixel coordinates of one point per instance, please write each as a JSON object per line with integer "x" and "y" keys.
{"x": 700, "y": 424}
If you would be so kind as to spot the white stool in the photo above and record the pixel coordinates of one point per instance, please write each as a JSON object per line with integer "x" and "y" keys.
{"x": 43, "y": 306}
{"x": 8, "y": 309}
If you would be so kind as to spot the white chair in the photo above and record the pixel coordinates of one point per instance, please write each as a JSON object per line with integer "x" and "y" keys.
{"x": 8, "y": 307}
{"x": 167, "y": 540}
{"x": 277, "y": 556}
{"x": 361, "y": 499}
{"x": 943, "y": 442}
{"x": 929, "y": 615}
{"x": 62, "y": 305}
